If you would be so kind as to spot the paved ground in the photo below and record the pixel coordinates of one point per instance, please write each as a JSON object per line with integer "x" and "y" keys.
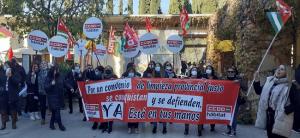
{"x": 79, "y": 129}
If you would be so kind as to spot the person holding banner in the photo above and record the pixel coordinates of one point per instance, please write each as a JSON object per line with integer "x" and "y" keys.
{"x": 274, "y": 100}
{"x": 131, "y": 65}
{"x": 233, "y": 75}
{"x": 98, "y": 76}
{"x": 169, "y": 70}
{"x": 71, "y": 84}
{"x": 54, "y": 87}
{"x": 33, "y": 92}
{"x": 194, "y": 73}
{"x": 210, "y": 74}
{"x": 132, "y": 73}
{"x": 108, "y": 75}
{"x": 160, "y": 73}
{"x": 88, "y": 74}
{"x": 150, "y": 69}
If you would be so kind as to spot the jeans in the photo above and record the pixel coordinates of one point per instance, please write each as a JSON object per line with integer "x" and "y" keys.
{"x": 234, "y": 121}
{"x": 43, "y": 106}
{"x": 155, "y": 124}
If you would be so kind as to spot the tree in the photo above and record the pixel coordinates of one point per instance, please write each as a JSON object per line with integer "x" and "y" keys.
{"x": 110, "y": 7}
{"x": 43, "y": 14}
{"x": 12, "y": 7}
{"x": 144, "y": 6}
{"x": 205, "y": 6}
{"x": 130, "y": 7}
{"x": 120, "y": 7}
{"x": 175, "y": 6}
{"x": 154, "y": 6}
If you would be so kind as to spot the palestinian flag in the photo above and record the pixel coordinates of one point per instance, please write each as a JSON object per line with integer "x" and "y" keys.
{"x": 4, "y": 33}
{"x": 279, "y": 18}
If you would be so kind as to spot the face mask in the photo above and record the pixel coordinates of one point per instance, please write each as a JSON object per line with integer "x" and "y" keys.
{"x": 168, "y": 68}
{"x": 208, "y": 71}
{"x": 131, "y": 75}
{"x": 194, "y": 73}
{"x": 157, "y": 69}
{"x": 97, "y": 73}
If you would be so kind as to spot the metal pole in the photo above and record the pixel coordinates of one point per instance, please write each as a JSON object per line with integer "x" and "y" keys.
{"x": 249, "y": 89}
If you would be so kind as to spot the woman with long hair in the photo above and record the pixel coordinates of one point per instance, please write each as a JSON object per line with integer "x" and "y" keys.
{"x": 54, "y": 87}
{"x": 33, "y": 92}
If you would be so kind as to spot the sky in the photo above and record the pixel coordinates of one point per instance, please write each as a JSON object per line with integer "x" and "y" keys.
{"x": 164, "y": 6}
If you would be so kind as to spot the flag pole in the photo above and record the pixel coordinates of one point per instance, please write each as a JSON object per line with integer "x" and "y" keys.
{"x": 266, "y": 53}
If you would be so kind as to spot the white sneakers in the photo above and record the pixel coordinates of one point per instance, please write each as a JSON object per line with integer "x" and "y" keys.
{"x": 34, "y": 116}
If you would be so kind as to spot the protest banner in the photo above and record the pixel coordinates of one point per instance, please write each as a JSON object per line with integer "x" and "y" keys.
{"x": 191, "y": 101}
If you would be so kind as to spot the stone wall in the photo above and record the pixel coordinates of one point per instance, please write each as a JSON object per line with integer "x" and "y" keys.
{"x": 245, "y": 22}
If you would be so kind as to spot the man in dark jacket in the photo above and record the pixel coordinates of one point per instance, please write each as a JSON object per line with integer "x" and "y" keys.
{"x": 71, "y": 85}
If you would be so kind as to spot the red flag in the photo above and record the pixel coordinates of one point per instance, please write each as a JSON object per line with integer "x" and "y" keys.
{"x": 69, "y": 56}
{"x": 148, "y": 24}
{"x": 184, "y": 19}
{"x": 284, "y": 10}
{"x": 63, "y": 30}
{"x": 131, "y": 37}
{"x": 10, "y": 54}
{"x": 111, "y": 42}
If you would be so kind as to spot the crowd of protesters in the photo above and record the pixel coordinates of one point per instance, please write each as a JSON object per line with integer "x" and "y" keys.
{"x": 42, "y": 89}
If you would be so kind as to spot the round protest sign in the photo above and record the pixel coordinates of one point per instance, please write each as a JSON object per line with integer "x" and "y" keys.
{"x": 92, "y": 27}
{"x": 130, "y": 49}
{"x": 100, "y": 52}
{"x": 174, "y": 43}
{"x": 80, "y": 47}
{"x": 149, "y": 43}
{"x": 58, "y": 46}
{"x": 38, "y": 40}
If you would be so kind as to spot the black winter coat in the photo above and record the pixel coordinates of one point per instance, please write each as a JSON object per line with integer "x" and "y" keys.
{"x": 54, "y": 93}
{"x": 32, "y": 87}
{"x": 71, "y": 81}
{"x": 13, "y": 88}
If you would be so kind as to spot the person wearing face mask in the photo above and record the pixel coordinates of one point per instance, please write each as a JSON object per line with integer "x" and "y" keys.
{"x": 194, "y": 73}
{"x": 33, "y": 92}
{"x": 71, "y": 85}
{"x": 132, "y": 65}
{"x": 98, "y": 76}
{"x": 9, "y": 98}
{"x": 132, "y": 126}
{"x": 42, "y": 75}
{"x": 232, "y": 75}
{"x": 210, "y": 74}
{"x": 149, "y": 69}
{"x": 274, "y": 98}
{"x": 54, "y": 86}
{"x": 108, "y": 75}
{"x": 169, "y": 71}
{"x": 88, "y": 73}
{"x": 159, "y": 72}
